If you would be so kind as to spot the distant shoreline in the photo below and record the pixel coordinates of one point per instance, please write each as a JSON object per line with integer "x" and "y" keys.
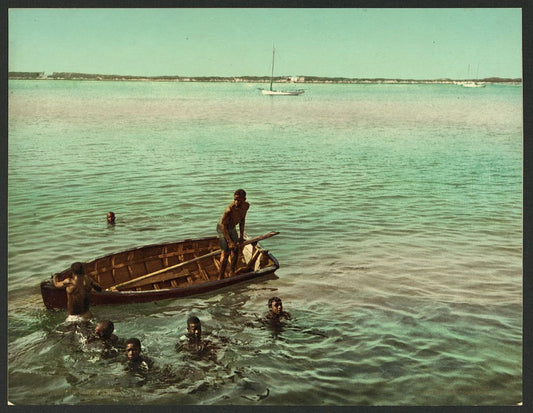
{"x": 246, "y": 79}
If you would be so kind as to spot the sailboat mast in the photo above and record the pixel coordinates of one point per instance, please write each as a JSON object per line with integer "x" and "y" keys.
{"x": 272, "y": 74}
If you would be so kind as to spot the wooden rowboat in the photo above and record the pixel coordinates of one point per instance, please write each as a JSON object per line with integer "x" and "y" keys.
{"x": 162, "y": 271}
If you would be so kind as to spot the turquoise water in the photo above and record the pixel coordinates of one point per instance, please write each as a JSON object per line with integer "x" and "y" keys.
{"x": 400, "y": 216}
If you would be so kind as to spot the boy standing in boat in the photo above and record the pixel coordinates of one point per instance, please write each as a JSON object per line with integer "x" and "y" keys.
{"x": 234, "y": 214}
{"x": 78, "y": 289}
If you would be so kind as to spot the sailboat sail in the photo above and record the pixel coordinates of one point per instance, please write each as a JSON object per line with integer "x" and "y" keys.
{"x": 273, "y": 92}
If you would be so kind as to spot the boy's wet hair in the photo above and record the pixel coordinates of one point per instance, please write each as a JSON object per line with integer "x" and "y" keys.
{"x": 193, "y": 320}
{"x": 273, "y": 300}
{"x": 77, "y": 268}
{"x": 134, "y": 341}
{"x": 240, "y": 192}
{"x": 108, "y": 326}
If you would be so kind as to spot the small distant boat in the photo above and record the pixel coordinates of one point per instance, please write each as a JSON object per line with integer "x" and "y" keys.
{"x": 162, "y": 271}
{"x": 273, "y": 92}
{"x": 472, "y": 84}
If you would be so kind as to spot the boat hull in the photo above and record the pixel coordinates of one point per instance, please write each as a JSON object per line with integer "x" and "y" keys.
{"x": 282, "y": 92}
{"x": 196, "y": 278}
{"x": 472, "y": 84}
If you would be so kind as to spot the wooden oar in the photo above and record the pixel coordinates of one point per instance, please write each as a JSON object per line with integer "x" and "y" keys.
{"x": 181, "y": 264}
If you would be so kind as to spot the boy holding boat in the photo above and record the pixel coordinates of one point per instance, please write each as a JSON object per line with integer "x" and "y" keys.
{"x": 234, "y": 214}
{"x": 78, "y": 288}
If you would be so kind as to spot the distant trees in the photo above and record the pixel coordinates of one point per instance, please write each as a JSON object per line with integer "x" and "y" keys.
{"x": 248, "y": 79}
{"x": 501, "y": 80}
{"x": 26, "y": 75}
{"x": 91, "y": 76}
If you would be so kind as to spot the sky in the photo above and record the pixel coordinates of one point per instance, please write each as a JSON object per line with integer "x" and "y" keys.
{"x": 355, "y": 43}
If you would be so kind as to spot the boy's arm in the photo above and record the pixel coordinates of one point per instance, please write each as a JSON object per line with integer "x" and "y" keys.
{"x": 61, "y": 283}
{"x": 223, "y": 222}
{"x": 95, "y": 285}
{"x": 241, "y": 229}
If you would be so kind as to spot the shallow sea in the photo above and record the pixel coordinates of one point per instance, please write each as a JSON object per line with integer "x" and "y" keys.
{"x": 400, "y": 216}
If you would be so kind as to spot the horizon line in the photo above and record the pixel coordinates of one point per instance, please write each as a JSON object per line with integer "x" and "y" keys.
{"x": 44, "y": 75}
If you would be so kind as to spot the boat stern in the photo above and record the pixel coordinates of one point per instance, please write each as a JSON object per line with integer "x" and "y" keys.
{"x": 53, "y": 297}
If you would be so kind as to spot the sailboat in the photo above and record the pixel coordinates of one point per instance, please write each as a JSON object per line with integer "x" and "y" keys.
{"x": 471, "y": 83}
{"x": 272, "y": 92}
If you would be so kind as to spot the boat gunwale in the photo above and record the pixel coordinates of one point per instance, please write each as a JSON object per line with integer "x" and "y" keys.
{"x": 163, "y": 244}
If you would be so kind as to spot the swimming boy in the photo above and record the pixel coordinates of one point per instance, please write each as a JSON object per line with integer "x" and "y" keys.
{"x": 104, "y": 332}
{"x": 136, "y": 362}
{"x": 192, "y": 341}
{"x": 275, "y": 310}
{"x": 111, "y": 218}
